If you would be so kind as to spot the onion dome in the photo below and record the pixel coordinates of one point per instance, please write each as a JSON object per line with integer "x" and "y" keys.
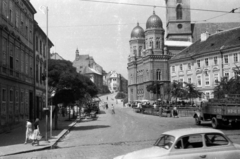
{"x": 154, "y": 21}
{"x": 137, "y": 32}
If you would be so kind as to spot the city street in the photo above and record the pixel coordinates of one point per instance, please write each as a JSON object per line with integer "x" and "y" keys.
{"x": 115, "y": 134}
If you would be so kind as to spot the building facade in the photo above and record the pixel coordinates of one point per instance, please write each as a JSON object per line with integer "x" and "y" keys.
{"x": 116, "y": 82}
{"x": 56, "y": 56}
{"x": 16, "y": 62}
{"x": 41, "y": 51}
{"x": 86, "y": 65}
{"x": 207, "y": 60}
{"x": 148, "y": 59}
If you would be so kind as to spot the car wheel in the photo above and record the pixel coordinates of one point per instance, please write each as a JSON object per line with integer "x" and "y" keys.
{"x": 197, "y": 121}
{"x": 215, "y": 123}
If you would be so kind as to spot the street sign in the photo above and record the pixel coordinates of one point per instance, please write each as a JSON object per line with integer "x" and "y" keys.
{"x": 45, "y": 108}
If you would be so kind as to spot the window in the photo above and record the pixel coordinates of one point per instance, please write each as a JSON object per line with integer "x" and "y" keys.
{"x": 199, "y": 81}
{"x": 11, "y": 95}
{"x": 215, "y": 60}
{"x": 235, "y": 57}
{"x": 16, "y": 59}
{"x": 198, "y": 64}
{"x": 181, "y": 81}
{"x": 180, "y": 66}
{"x": 207, "y": 95}
{"x": 44, "y": 50}
{"x": 159, "y": 74}
{"x": 158, "y": 43}
{"x": 36, "y": 43}
{"x": 206, "y": 61}
{"x": 187, "y": 142}
{"x": 134, "y": 50}
{"x": 5, "y": 11}
{"x": 31, "y": 66}
{"x": 146, "y": 43}
{"x": 4, "y": 96}
{"x": 37, "y": 73}
{"x": 4, "y": 52}
{"x": 215, "y": 79}
{"x": 26, "y": 28}
{"x": 173, "y": 68}
{"x": 165, "y": 141}
{"x": 21, "y": 25}
{"x": 215, "y": 140}
{"x": 151, "y": 43}
{"x": 226, "y": 59}
{"x": 11, "y": 12}
{"x": 226, "y": 74}
{"x": 26, "y": 64}
{"x": 207, "y": 79}
{"x": 22, "y": 61}
{"x": 189, "y": 80}
{"x": 179, "y": 12}
{"x": 139, "y": 53}
{"x": 40, "y": 46}
{"x": 189, "y": 66}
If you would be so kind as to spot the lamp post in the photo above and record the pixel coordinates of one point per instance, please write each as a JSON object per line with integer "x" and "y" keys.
{"x": 44, "y": 9}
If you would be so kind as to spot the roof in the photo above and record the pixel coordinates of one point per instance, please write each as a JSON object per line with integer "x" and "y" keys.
{"x": 215, "y": 42}
{"x": 89, "y": 70}
{"x": 212, "y": 28}
{"x": 189, "y": 131}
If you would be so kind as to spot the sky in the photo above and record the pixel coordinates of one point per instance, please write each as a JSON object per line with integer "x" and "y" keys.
{"x": 103, "y": 30}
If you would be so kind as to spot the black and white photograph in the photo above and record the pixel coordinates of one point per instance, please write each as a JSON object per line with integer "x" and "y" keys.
{"x": 119, "y": 79}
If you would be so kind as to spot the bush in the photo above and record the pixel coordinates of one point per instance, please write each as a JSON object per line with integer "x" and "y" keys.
{"x": 120, "y": 95}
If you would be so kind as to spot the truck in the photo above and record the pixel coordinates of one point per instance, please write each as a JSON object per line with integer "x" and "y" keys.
{"x": 220, "y": 112}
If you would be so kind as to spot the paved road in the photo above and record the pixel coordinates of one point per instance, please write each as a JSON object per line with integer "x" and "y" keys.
{"x": 111, "y": 135}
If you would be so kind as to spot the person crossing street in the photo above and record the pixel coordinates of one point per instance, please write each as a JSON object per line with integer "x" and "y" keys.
{"x": 113, "y": 111}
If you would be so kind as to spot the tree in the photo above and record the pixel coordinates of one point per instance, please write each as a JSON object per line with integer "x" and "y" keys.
{"x": 68, "y": 84}
{"x": 120, "y": 95}
{"x": 176, "y": 89}
{"x": 191, "y": 91}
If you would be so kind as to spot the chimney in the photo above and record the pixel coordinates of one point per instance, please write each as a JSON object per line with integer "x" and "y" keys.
{"x": 204, "y": 36}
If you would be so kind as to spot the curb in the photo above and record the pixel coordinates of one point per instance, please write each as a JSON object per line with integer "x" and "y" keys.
{"x": 62, "y": 134}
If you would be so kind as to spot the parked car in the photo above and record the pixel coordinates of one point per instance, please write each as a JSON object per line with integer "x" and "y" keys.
{"x": 189, "y": 143}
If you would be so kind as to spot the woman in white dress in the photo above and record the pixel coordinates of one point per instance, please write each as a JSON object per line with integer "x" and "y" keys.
{"x": 36, "y": 132}
{"x": 28, "y": 131}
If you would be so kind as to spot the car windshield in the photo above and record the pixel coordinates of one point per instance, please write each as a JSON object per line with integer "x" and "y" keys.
{"x": 165, "y": 141}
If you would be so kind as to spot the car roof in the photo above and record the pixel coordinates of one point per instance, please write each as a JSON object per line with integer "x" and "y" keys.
{"x": 190, "y": 131}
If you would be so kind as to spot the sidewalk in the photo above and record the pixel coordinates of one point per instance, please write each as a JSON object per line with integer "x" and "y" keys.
{"x": 13, "y": 142}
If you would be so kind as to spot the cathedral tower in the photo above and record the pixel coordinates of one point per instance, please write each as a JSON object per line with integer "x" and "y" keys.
{"x": 179, "y": 34}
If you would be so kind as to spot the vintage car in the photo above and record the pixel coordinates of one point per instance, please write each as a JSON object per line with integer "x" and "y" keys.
{"x": 189, "y": 143}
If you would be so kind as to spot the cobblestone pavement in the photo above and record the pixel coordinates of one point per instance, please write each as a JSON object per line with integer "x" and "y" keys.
{"x": 112, "y": 135}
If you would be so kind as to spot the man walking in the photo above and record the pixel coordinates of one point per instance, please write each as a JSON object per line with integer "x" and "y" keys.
{"x": 113, "y": 111}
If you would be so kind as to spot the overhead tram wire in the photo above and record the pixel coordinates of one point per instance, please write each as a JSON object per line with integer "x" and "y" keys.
{"x": 232, "y": 11}
{"x": 146, "y": 5}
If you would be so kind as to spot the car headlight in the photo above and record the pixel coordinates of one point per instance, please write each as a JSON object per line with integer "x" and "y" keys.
{"x": 119, "y": 157}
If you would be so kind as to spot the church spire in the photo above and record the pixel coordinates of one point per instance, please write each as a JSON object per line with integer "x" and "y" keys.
{"x": 77, "y": 54}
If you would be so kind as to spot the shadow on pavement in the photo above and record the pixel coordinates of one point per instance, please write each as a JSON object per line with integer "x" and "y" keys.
{"x": 102, "y": 112}
{"x": 90, "y": 127}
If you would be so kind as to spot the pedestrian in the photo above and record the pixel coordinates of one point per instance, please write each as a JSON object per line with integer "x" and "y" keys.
{"x": 63, "y": 112}
{"x": 107, "y": 97}
{"x": 28, "y": 131}
{"x": 106, "y": 106}
{"x": 113, "y": 111}
{"x": 36, "y": 133}
{"x": 175, "y": 112}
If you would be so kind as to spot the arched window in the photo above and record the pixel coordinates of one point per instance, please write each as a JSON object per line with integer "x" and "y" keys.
{"x": 140, "y": 51}
{"x": 159, "y": 75}
{"x": 151, "y": 43}
{"x": 179, "y": 12}
{"x": 158, "y": 43}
